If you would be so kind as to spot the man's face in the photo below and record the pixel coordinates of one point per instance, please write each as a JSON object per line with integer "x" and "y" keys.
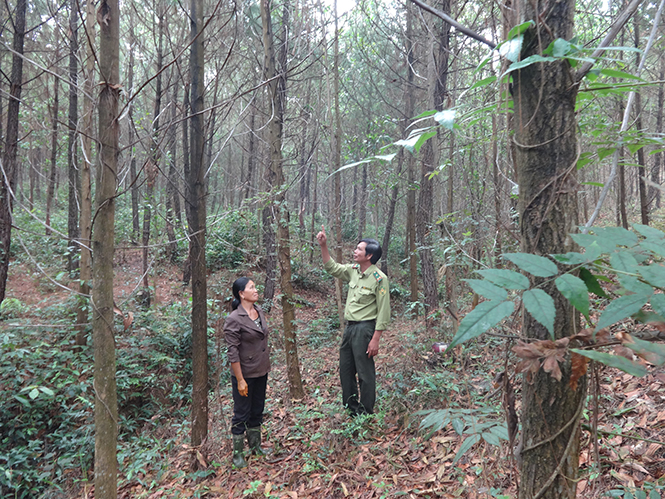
{"x": 359, "y": 255}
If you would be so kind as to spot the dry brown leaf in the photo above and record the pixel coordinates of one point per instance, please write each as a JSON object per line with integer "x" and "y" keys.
{"x": 623, "y": 352}
{"x": 603, "y": 336}
{"x": 344, "y": 489}
{"x": 579, "y": 364}
{"x": 128, "y": 320}
{"x": 527, "y": 350}
{"x": 551, "y": 365}
{"x": 199, "y": 458}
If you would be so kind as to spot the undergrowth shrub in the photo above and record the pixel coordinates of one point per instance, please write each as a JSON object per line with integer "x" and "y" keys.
{"x": 230, "y": 239}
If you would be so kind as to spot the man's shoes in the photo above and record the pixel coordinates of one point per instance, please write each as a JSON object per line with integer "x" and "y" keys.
{"x": 254, "y": 441}
{"x": 239, "y": 451}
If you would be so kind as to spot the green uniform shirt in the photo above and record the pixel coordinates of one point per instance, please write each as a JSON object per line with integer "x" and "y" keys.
{"x": 369, "y": 296}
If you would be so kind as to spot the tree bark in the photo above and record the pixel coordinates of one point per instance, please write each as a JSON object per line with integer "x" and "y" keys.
{"x": 197, "y": 230}
{"x": 74, "y": 180}
{"x": 50, "y": 190}
{"x": 134, "y": 189}
{"x": 641, "y": 170}
{"x": 655, "y": 194}
{"x": 277, "y": 100}
{"x": 8, "y": 182}
{"x": 86, "y": 190}
{"x": 410, "y": 249}
{"x": 106, "y": 403}
{"x": 172, "y": 181}
{"x": 545, "y": 159}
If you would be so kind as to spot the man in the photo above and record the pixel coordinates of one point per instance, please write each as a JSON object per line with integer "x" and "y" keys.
{"x": 367, "y": 315}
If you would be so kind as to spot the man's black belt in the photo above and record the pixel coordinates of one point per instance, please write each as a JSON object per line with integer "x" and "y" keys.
{"x": 353, "y": 323}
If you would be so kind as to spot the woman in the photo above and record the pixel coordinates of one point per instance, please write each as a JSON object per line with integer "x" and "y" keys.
{"x": 246, "y": 332}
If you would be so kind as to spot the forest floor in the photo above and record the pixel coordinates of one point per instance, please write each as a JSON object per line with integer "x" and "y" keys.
{"x": 317, "y": 451}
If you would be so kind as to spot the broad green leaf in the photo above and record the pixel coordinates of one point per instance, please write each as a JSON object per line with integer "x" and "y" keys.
{"x": 619, "y": 309}
{"x": 570, "y": 258}
{"x": 533, "y": 59}
{"x": 519, "y": 29}
{"x": 588, "y": 241}
{"x": 634, "y": 285}
{"x": 508, "y": 279}
{"x": 617, "y": 361}
{"x": 466, "y": 445}
{"x": 47, "y": 391}
{"x": 446, "y": 118}
{"x": 623, "y": 261}
{"x": 642, "y": 347}
{"x": 511, "y": 49}
{"x": 500, "y": 431}
{"x": 386, "y": 157}
{"x": 485, "y": 316}
{"x": 34, "y": 393}
{"x": 616, "y": 235}
{"x": 634, "y": 147}
{"x": 424, "y": 138}
{"x": 658, "y": 303}
{"x": 487, "y": 289}
{"x": 595, "y": 184}
{"x": 23, "y": 400}
{"x": 592, "y": 283}
{"x": 655, "y": 247}
{"x": 613, "y": 73}
{"x": 654, "y": 274}
{"x": 533, "y": 264}
{"x": 649, "y": 232}
{"x": 604, "y": 152}
{"x": 541, "y": 306}
{"x": 561, "y": 47}
{"x": 491, "y": 438}
{"x": 483, "y": 82}
{"x": 458, "y": 426}
{"x": 575, "y": 291}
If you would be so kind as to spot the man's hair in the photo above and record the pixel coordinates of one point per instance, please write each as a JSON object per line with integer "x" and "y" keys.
{"x": 373, "y": 248}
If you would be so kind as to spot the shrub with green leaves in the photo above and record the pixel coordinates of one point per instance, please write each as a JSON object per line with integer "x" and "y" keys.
{"x": 231, "y": 239}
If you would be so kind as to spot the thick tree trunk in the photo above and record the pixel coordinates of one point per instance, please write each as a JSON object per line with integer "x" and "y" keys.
{"x": 277, "y": 99}
{"x": 337, "y": 177}
{"x": 106, "y": 402}
{"x": 410, "y": 238}
{"x": 50, "y": 191}
{"x": 74, "y": 180}
{"x": 8, "y": 180}
{"x": 546, "y": 157}
{"x": 197, "y": 230}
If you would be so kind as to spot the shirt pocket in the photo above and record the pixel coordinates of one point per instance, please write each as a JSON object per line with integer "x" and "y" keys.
{"x": 365, "y": 295}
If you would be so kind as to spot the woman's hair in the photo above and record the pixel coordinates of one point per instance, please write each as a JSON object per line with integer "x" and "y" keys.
{"x": 238, "y": 286}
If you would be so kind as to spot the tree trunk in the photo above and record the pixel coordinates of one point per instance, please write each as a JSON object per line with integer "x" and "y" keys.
{"x": 86, "y": 190}
{"x": 654, "y": 193}
{"x": 8, "y": 184}
{"x": 410, "y": 249}
{"x": 197, "y": 230}
{"x": 74, "y": 180}
{"x": 545, "y": 159}
{"x": 106, "y": 402}
{"x": 133, "y": 141}
{"x": 55, "y": 108}
{"x": 172, "y": 181}
{"x": 277, "y": 100}
{"x": 641, "y": 170}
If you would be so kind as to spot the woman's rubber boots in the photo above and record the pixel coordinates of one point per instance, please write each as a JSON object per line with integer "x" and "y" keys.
{"x": 239, "y": 451}
{"x": 254, "y": 441}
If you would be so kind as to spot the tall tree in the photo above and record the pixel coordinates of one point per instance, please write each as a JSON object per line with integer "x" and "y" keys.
{"x": 8, "y": 181}
{"x": 55, "y": 108}
{"x": 106, "y": 400}
{"x": 197, "y": 229}
{"x": 74, "y": 180}
{"x": 277, "y": 100}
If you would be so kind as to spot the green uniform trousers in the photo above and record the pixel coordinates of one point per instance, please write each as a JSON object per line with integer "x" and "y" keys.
{"x": 353, "y": 360}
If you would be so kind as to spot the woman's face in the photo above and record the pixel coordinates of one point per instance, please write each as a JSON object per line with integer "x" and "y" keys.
{"x": 250, "y": 293}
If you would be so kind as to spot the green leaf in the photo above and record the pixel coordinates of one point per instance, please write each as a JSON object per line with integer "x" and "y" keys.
{"x": 634, "y": 285}
{"x": 47, "y": 391}
{"x": 23, "y": 400}
{"x": 485, "y": 316}
{"x": 487, "y": 289}
{"x": 592, "y": 283}
{"x": 466, "y": 445}
{"x": 595, "y": 184}
{"x": 533, "y": 264}
{"x": 604, "y": 152}
{"x": 424, "y": 138}
{"x": 458, "y": 426}
{"x": 491, "y": 438}
{"x": 483, "y": 82}
{"x": 34, "y": 393}
{"x": 533, "y": 59}
{"x": 571, "y": 258}
{"x": 575, "y": 291}
{"x": 617, "y": 361}
{"x": 649, "y": 232}
{"x": 561, "y": 47}
{"x": 613, "y": 73}
{"x": 621, "y": 308}
{"x": 500, "y": 431}
{"x": 508, "y": 279}
{"x": 654, "y": 274}
{"x": 519, "y": 29}
{"x": 658, "y": 304}
{"x": 642, "y": 347}
{"x": 623, "y": 261}
{"x": 511, "y": 49}
{"x": 655, "y": 247}
{"x": 616, "y": 235}
{"x": 541, "y": 306}
{"x": 589, "y": 241}
{"x": 446, "y": 118}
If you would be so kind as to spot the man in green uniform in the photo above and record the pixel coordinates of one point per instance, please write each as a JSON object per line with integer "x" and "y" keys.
{"x": 367, "y": 315}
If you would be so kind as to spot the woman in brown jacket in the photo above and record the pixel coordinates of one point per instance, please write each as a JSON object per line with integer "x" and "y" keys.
{"x": 246, "y": 333}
